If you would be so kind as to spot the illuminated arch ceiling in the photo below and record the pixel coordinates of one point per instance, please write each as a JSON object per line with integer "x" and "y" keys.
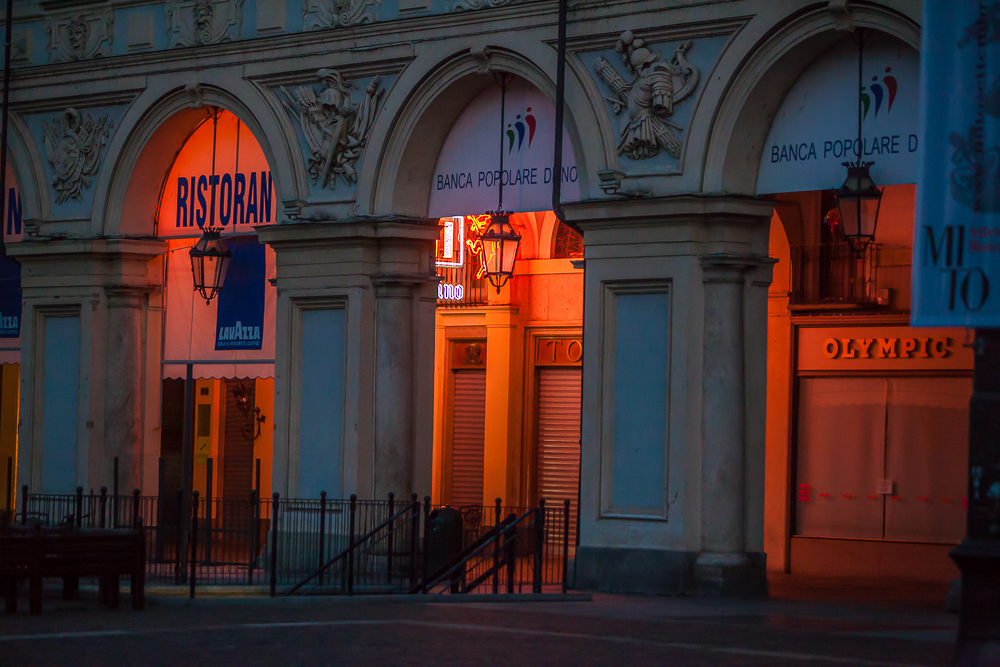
{"x": 233, "y": 336}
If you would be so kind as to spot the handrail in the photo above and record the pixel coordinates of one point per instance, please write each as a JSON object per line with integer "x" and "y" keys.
{"x": 462, "y": 559}
{"x": 355, "y": 544}
{"x": 468, "y": 551}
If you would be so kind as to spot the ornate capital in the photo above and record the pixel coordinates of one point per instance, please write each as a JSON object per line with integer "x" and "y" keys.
{"x": 128, "y": 296}
{"x": 399, "y": 285}
{"x": 730, "y": 268}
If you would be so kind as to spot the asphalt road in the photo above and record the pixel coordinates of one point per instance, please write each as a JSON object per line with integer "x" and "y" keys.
{"x": 610, "y": 630}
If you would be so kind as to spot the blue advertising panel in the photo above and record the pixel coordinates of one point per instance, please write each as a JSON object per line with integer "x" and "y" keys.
{"x": 10, "y": 298}
{"x": 240, "y": 315}
{"x": 956, "y": 245}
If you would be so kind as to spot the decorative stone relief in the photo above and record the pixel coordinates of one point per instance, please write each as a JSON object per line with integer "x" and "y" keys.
{"x": 483, "y": 57}
{"x": 73, "y": 148}
{"x": 336, "y": 128}
{"x": 80, "y": 36}
{"x": 194, "y": 22}
{"x": 195, "y": 94}
{"x": 323, "y": 14}
{"x": 841, "y": 10}
{"x": 650, "y": 96}
{"x": 467, "y": 5}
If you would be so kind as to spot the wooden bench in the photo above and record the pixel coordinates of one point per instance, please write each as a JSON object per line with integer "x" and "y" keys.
{"x": 34, "y": 553}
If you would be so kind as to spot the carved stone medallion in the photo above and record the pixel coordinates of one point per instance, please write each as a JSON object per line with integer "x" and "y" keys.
{"x": 649, "y": 94}
{"x": 323, "y": 14}
{"x": 467, "y": 5}
{"x": 335, "y": 127}
{"x": 80, "y": 36}
{"x": 194, "y": 22}
{"x": 73, "y": 146}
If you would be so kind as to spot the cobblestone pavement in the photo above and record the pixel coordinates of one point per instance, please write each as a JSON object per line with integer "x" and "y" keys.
{"x": 609, "y": 630}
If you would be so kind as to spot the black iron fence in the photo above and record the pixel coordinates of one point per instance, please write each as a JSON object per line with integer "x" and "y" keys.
{"x": 317, "y": 545}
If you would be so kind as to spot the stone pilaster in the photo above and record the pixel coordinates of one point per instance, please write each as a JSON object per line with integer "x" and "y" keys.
{"x": 381, "y": 273}
{"x": 105, "y": 282}
{"x": 394, "y": 375}
{"x": 722, "y": 565}
{"x": 697, "y": 529}
{"x": 124, "y": 378}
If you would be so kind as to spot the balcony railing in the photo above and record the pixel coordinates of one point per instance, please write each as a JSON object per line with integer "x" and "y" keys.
{"x": 833, "y": 274}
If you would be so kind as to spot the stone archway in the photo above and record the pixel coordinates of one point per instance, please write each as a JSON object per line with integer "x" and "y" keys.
{"x": 401, "y": 179}
{"x": 143, "y": 151}
{"x": 757, "y": 90}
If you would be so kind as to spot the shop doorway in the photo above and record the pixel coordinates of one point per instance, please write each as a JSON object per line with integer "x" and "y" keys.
{"x": 509, "y": 377}
{"x": 219, "y": 179}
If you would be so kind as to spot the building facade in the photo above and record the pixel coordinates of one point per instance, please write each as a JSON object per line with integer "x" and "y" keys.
{"x": 675, "y": 356}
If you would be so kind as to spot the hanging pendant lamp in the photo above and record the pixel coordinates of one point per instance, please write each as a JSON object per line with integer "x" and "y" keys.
{"x": 859, "y": 199}
{"x": 500, "y": 241}
{"x": 210, "y": 256}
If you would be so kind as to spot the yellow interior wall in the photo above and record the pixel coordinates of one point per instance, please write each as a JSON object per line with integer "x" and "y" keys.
{"x": 10, "y": 375}
{"x": 542, "y": 293}
{"x": 213, "y": 399}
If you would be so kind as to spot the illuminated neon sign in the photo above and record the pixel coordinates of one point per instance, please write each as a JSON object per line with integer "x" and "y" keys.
{"x": 477, "y": 227}
{"x": 449, "y": 292}
{"x": 450, "y": 245}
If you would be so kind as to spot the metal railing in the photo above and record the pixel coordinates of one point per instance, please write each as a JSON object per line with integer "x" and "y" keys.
{"x": 459, "y": 287}
{"x": 319, "y": 546}
{"x": 832, "y": 273}
{"x": 384, "y": 559}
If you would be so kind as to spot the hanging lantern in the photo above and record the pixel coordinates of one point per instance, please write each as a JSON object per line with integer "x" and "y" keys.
{"x": 859, "y": 201}
{"x": 209, "y": 263}
{"x": 500, "y": 243}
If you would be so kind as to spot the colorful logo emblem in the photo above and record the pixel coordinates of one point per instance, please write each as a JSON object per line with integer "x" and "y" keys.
{"x": 879, "y": 91}
{"x": 517, "y": 130}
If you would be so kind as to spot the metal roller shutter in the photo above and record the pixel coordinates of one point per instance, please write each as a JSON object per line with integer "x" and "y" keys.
{"x": 559, "y": 438}
{"x": 468, "y": 438}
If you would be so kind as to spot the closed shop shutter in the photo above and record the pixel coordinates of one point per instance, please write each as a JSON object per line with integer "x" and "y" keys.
{"x": 559, "y": 438}
{"x": 909, "y": 431}
{"x": 468, "y": 438}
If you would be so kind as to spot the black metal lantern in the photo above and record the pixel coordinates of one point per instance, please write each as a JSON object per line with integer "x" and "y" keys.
{"x": 209, "y": 263}
{"x": 859, "y": 201}
{"x": 500, "y": 244}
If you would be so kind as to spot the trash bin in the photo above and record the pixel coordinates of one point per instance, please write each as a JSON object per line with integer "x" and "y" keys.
{"x": 444, "y": 540}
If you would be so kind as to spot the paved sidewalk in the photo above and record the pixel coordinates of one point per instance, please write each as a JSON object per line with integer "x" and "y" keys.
{"x": 609, "y": 630}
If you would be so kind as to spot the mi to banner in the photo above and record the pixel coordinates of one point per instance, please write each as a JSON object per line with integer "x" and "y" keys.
{"x": 956, "y": 246}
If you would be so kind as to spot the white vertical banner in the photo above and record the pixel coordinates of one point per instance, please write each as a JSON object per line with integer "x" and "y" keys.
{"x": 956, "y": 245}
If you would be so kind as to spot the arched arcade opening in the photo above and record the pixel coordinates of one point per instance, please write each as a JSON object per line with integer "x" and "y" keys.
{"x": 219, "y": 179}
{"x": 867, "y": 418}
{"x": 507, "y": 361}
